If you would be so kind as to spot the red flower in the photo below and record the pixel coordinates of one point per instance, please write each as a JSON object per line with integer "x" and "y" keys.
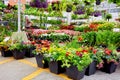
{"x": 107, "y": 51}
{"x": 94, "y": 51}
{"x": 67, "y": 53}
{"x": 77, "y": 52}
{"x": 33, "y": 42}
{"x": 83, "y": 51}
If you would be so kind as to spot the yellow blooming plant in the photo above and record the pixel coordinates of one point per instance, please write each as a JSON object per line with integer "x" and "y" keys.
{"x": 4, "y": 45}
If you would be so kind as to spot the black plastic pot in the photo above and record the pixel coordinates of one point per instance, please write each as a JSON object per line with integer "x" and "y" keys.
{"x": 40, "y": 63}
{"x": 55, "y": 67}
{"x": 28, "y": 52}
{"x": 18, "y": 54}
{"x": 6, "y": 53}
{"x": 91, "y": 69}
{"x": 108, "y": 67}
{"x": 118, "y": 49}
{"x": 72, "y": 72}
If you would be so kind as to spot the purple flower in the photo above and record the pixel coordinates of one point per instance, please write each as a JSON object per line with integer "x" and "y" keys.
{"x": 38, "y": 5}
{"x": 79, "y": 12}
{"x": 32, "y": 4}
{"x": 96, "y": 13}
{"x": 44, "y": 4}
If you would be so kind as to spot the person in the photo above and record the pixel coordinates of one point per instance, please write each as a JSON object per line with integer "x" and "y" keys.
{"x": 28, "y": 23}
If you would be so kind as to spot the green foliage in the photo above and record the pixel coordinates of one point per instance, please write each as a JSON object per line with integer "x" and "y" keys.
{"x": 2, "y": 5}
{"x": 81, "y": 28}
{"x": 115, "y": 1}
{"x": 82, "y": 16}
{"x": 108, "y": 16}
{"x": 55, "y": 37}
{"x": 17, "y": 46}
{"x": 55, "y": 22}
{"x": 73, "y": 44}
{"x": 4, "y": 32}
{"x": 89, "y": 38}
{"x": 101, "y": 38}
{"x": 32, "y": 11}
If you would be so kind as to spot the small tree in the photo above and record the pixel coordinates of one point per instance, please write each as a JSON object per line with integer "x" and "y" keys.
{"x": 108, "y": 16}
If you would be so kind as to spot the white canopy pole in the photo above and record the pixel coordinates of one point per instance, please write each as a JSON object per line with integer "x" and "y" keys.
{"x": 19, "y": 20}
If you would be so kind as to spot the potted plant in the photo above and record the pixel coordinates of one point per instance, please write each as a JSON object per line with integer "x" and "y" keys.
{"x": 110, "y": 58}
{"x": 18, "y": 50}
{"x": 4, "y": 48}
{"x": 41, "y": 54}
{"x": 29, "y": 49}
{"x": 95, "y": 55}
{"x": 108, "y": 17}
{"x": 56, "y": 55}
{"x": 76, "y": 62}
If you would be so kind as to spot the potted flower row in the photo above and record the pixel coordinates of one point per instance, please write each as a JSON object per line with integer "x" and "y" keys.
{"x": 17, "y": 49}
{"x": 61, "y": 59}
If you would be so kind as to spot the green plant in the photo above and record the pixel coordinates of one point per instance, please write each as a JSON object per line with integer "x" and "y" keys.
{"x": 81, "y": 28}
{"x": 5, "y": 45}
{"x": 77, "y": 58}
{"x": 106, "y": 26}
{"x": 89, "y": 38}
{"x": 108, "y": 16}
{"x": 17, "y": 46}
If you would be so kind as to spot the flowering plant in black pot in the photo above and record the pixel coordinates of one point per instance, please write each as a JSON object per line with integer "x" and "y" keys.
{"x": 30, "y": 46}
{"x": 18, "y": 50}
{"x": 41, "y": 54}
{"x": 56, "y": 55}
{"x": 111, "y": 59}
{"x": 76, "y": 61}
{"x": 4, "y": 48}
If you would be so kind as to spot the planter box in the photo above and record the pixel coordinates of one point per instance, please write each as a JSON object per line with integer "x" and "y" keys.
{"x": 55, "y": 67}
{"x": 109, "y": 67}
{"x": 18, "y": 54}
{"x": 6, "y": 53}
{"x": 73, "y": 73}
{"x": 28, "y": 52}
{"x": 91, "y": 69}
{"x": 39, "y": 60}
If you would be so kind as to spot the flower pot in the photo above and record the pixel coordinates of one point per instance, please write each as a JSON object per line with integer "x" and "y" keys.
{"x": 91, "y": 69}
{"x": 109, "y": 67}
{"x": 55, "y": 67}
{"x": 6, "y": 53}
{"x": 18, "y": 54}
{"x": 41, "y": 62}
{"x": 118, "y": 49}
{"x": 73, "y": 73}
{"x": 28, "y": 52}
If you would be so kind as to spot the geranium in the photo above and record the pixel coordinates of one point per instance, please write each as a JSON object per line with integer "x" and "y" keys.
{"x": 67, "y": 53}
{"x": 80, "y": 39}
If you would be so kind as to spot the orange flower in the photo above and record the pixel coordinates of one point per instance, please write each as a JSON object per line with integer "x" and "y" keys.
{"x": 67, "y": 53}
{"x": 80, "y": 39}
